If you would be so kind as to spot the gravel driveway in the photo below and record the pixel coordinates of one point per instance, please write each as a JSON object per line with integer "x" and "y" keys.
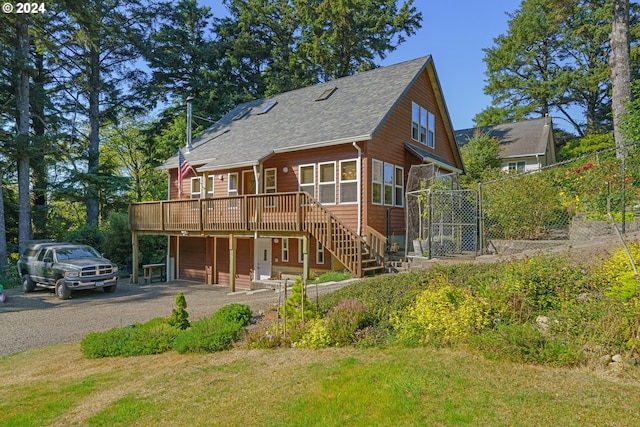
{"x": 38, "y": 319}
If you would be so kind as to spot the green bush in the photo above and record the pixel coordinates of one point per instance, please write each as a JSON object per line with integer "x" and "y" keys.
{"x": 442, "y": 314}
{"x": 152, "y": 337}
{"x": 334, "y": 276}
{"x": 215, "y": 333}
{"x": 9, "y": 277}
{"x": 295, "y": 304}
{"x": 344, "y": 321}
{"x": 179, "y": 316}
{"x": 314, "y": 334}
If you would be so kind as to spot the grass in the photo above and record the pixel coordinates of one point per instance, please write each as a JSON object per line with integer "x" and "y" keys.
{"x": 334, "y": 276}
{"x": 296, "y": 387}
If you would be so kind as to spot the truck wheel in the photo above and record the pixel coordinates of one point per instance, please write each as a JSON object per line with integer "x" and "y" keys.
{"x": 110, "y": 289}
{"x": 62, "y": 291}
{"x": 28, "y": 285}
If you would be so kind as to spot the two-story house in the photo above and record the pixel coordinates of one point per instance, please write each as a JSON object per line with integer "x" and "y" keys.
{"x": 305, "y": 181}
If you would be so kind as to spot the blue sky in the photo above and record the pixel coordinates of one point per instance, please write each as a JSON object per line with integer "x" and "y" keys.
{"x": 454, "y": 32}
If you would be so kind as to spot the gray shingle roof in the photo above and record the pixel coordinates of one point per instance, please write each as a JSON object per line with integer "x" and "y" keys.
{"x": 353, "y": 112}
{"x": 519, "y": 139}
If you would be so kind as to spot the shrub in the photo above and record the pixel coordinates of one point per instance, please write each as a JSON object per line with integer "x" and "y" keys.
{"x": 117, "y": 238}
{"x": 314, "y": 335}
{"x": 152, "y": 337}
{"x": 267, "y": 338}
{"x": 179, "y": 316}
{"x": 343, "y": 322}
{"x": 442, "y": 314}
{"x": 616, "y": 275}
{"x": 215, "y": 333}
{"x": 296, "y": 302}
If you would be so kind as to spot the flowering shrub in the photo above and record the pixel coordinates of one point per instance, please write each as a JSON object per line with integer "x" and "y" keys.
{"x": 315, "y": 335}
{"x": 442, "y": 314}
{"x": 344, "y": 321}
{"x": 616, "y": 275}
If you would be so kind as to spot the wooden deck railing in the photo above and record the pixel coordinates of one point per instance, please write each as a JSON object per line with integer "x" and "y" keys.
{"x": 282, "y": 212}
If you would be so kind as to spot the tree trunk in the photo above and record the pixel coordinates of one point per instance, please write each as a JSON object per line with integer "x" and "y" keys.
{"x": 620, "y": 70}
{"x": 38, "y": 164}
{"x": 23, "y": 120}
{"x": 94, "y": 137}
{"x": 3, "y": 230}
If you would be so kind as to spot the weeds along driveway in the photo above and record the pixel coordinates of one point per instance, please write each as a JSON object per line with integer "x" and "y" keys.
{"x": 39, "y": 319}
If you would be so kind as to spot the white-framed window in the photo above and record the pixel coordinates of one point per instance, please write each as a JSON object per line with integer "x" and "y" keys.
{"x": 285, "y": 250}
{"x": 376, "y": 182}
{"x": 319, "y": 253}
{"x": 327, "y": 183}
{"x": 196, "y": 187}
{"x": 270, "y": 180}
{"x": 431, "y": 131}
{"x": 388, "y": 184}
{"x": 270, "y": 186}
{"x": 300, "y": 254}
{"x": 348, "y": 181}
{"x": 423, "y": 125}
{"x": 210, "y": 184}
{"x": 307, "y": 179}
{"x": 517, "y": 166}
{"x": 398, "y": 186}
{"x": 232, "y": 188}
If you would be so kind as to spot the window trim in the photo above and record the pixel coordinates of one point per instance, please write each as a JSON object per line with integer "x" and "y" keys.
{"x": 320, "y": 259}
{"x": 327, "y": 183}
{"x": 356, "y": 180}
{"x": 313, "y": 184}
{"x": 284, "y": 255}
{"x": 424, "y": 133}
{"x": 210, "y": 187}
{"x": 194, "y": 193}
{"x": 385, "y": 184}
{"x": 375, "y": 182}
{"x": 397, "y": 186}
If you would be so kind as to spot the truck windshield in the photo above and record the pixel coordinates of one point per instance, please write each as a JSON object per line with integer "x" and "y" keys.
{"x": 76, "y": 252}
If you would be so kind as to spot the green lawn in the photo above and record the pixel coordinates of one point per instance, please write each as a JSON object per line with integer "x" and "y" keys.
{"x": 296, "y": 387}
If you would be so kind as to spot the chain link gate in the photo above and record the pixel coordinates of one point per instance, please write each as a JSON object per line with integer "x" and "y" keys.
{"x": 445, "y": 225}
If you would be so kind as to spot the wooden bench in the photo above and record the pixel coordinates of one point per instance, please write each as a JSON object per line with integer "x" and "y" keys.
{"x": 148, "y": 269}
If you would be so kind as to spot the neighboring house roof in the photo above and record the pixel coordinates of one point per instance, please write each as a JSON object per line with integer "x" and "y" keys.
{"x": 296, "y": 120}
{"x": 518, "y": 139}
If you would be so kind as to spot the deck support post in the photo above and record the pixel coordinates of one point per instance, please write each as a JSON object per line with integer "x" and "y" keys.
{"x": 134, "y": 258}
{"x": 233, "y": 244}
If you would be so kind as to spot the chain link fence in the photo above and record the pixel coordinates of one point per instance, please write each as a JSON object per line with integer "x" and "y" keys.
{"x": 573, "y": 201}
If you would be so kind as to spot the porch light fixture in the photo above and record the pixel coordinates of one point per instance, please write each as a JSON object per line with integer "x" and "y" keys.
{"x": 220, "y": 177}
{"x": 285, "y": 169}
{"x": 276, "y": 240}
{"x": 184, "y": 232}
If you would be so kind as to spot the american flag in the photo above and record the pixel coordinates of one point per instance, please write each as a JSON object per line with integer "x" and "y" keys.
{"x": 183, "y": 170}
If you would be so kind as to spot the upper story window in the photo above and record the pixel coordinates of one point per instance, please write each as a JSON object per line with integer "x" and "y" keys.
{"x": 270, "y": 180}
{"x": 210, "y": 183}
{"x": 307, "y": 179}
{"x": 376, "y": 182}
{"x": 327, "y": 184}
{"x": 423, "y": 125}
{"x": 196, "y": 190}
{"x": 348, "y": 181}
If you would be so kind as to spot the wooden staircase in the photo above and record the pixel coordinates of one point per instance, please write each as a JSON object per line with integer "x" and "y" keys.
{"x": 360, "y": 255}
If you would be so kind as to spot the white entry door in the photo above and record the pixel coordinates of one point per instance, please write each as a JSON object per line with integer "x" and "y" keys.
{"x": 262, "y": 259}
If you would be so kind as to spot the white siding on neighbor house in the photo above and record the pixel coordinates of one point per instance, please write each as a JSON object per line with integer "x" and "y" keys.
{"x": 529, "y": 165}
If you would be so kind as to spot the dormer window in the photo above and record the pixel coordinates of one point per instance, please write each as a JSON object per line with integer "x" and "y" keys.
{"x": 423, "y": 126}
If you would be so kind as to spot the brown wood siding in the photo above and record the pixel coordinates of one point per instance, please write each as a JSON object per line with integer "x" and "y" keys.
{"x": 388, "y": 146}
{"x": 276, "y": 253}
{"x": 192, "y": 258}
{"x": 244, "y": 262}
